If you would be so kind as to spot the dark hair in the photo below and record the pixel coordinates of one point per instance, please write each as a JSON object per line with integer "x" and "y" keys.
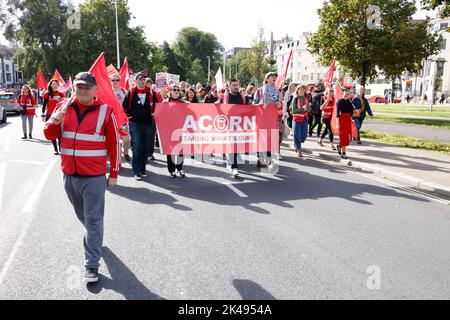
{"x": 50, "y": 89}
{"x": 195, "y": 99}
{"x": 233, "y": 80}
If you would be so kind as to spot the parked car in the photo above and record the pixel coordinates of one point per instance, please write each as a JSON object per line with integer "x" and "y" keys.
{"x": 3, "y": 116}
{"x": 375, "y": 99}
{"x": 8, "y": 101}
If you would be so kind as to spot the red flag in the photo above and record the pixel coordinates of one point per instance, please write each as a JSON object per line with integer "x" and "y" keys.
{"x": 328, "y": 78}
{"x": 125, "y": 75}
{"x": 105, "y": 92}
{"x": 65, "y": 87}
{"x": 111, "y": 70}
{"x": 281, "y": 78}
{"x": 57, "y": 76}
{"x": 41, "y": 82}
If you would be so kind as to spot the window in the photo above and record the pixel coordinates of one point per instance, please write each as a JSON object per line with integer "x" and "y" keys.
{"x": 7, "y": 67}
{"x": 444, "y": 26}
{"x": 305, "y": 77}
{"x": 368, "y": 92}
{"x": 8, "y": 77}
{"x": 440, "y": 68}
{"x": 443, "y": 44}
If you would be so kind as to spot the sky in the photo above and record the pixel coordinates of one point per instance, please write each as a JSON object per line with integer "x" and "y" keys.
{"x": 235, "y": 23}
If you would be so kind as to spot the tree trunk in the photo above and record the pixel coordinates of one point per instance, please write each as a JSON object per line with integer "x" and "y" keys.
{"x": 364, "y": 74}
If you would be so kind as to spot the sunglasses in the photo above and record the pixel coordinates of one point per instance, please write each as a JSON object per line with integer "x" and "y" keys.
{"x": 115, "y": 80}
{"x": 175, "y": 90}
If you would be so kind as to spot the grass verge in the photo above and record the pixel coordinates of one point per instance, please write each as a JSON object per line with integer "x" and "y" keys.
{"x": 405, "y": 141}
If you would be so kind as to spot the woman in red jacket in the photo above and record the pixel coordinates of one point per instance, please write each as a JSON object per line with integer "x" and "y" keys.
{"x": 51, "y": 99}
{"x": 27, "y": 104}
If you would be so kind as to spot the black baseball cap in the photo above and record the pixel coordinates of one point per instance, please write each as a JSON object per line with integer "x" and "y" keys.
{"x": 140, "y": 75}
{"x": 85, "y": 78}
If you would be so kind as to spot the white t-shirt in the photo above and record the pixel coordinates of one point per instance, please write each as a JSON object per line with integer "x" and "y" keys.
{"x": 120, "y": 94}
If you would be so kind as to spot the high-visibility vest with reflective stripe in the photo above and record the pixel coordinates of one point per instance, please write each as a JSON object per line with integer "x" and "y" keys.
{"x": 302, "y": 115}
{"x": 83, "y": 145}
{"x": 327, "y": 112}
{"x": 31, "y": 111}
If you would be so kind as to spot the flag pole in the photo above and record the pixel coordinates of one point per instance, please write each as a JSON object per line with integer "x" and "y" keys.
{"x": 117, "y": 36}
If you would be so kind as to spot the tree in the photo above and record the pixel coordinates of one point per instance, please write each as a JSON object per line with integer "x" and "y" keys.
{"x": 39, "y": 26}
{"x": 170, "y": 59}
{"x": 442, "y": 5}
{"x": 393, "y": 44}
{"x": 191, "y": 48}
{"x": 258, "y": 61}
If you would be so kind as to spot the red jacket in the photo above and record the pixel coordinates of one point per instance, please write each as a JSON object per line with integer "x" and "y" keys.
{"x": 29, "y": 102}
{"x": 88, "y": 135}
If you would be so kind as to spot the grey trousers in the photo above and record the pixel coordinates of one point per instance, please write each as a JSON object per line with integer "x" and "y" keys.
{"x": 30, "y": 124}
{"x": 87, "y": 196}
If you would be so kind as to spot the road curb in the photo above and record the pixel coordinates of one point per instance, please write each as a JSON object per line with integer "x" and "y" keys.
{"x": 410, "y": 181}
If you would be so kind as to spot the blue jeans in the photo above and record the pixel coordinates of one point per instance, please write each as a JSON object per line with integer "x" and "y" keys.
{"x": 358, "y": 123}
{"x": 140, "y": 144}
{"x": 300, "y": 133}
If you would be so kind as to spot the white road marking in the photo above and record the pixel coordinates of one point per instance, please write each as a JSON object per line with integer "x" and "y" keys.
{"x": 2, "y": 181}
{"x": 29, "y": 162}
{"x": 235, "y": 190}
{"x": 28, "y": 220}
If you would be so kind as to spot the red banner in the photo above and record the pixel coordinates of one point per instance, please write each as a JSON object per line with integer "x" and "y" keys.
{"x": 328, "y": 78}
{"x": 41, "y": 82}
{"x": 125, "y": 75}
{"x": 282, "y": 77}
{"x": 57, "y": 76}
{"x": 216, "y": 129}
{"x": 105, "y": 91}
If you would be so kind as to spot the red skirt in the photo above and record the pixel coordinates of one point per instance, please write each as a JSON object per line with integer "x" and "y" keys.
{"x": 345, "y": 129}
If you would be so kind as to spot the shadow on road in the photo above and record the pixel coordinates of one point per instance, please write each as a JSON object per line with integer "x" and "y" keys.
{"x": 250, "y": 290}
{"x": 122, "y": 281}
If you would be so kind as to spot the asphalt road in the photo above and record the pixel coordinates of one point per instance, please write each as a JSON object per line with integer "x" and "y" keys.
{"x": 411, "y": 130}
{"x": 313, "y": 231}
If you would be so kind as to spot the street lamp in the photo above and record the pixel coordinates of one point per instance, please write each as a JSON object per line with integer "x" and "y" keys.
{"x": 117, "y": 36}
{"x": 209, "y": 68}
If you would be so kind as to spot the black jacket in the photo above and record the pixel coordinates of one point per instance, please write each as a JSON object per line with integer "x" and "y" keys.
{"x": 135, "y": 110}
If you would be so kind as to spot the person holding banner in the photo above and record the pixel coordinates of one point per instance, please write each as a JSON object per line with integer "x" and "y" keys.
{"x": 234, "y": 97}
{"x": 327, "y": 114}
{"x": 51, "y": 98}
{"x": 300, "y": 110}
{"x": 268, "y": 94}
{"x": 213, "y": 95}
{"x": 27, "y": 104}
{"x": 175, "y": 162}
{"x": 345, "y": 111}
{"x": 191, "y": 96}
{"x": 139, "y": 105}
{"x": 89, "y": 133}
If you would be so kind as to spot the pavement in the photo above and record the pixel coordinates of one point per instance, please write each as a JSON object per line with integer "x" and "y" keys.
{"x": 315, "y": 229}
{"x": 424, "y": 170}
{"x": 410, "y": 130}
{"x": 410, "y": 116}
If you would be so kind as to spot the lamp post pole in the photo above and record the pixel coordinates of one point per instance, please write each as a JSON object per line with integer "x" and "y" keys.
{"x": 117, "y": 36}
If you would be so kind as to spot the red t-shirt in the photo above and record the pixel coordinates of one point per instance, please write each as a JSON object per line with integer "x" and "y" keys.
{"x": 52, "y": 102}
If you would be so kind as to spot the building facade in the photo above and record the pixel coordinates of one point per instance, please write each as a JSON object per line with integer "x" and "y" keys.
{"x": 10, "y": 75}
{"x": 303, "y": 67}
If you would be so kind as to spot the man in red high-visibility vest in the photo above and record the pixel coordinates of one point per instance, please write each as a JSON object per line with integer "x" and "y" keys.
{"x": 88, "y": 132}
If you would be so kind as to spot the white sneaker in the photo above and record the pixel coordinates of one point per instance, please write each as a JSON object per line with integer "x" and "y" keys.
{"x": 229, "y": 168}
{"x": 172, "y": 175}
{"x": 182, "y": 173}
{"x": 235, "y": 173}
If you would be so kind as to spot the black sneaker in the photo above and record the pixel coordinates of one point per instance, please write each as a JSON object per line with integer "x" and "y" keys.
{"x": 30, "y": 136}
{"x": 359, "y": 142}
{"x": 91, "y": 275}
{"x": 339, "y": 149}
{"x": 24, "y": 137}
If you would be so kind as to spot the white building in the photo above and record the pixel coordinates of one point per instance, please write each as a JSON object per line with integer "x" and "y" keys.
{"x": 440, "y": 67}
{"x": 9, "y": 70}
{"x": 303, "y": 67}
